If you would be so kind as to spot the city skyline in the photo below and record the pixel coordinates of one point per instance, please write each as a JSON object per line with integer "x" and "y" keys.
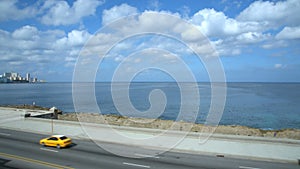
{"x": 15, "y": 77}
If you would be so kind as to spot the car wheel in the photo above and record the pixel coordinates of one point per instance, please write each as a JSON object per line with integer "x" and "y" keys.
{"x": 43, "y": 144}
{"x": 58, "y": 146}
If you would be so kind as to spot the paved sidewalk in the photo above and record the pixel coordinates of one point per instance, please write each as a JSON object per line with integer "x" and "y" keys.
{"x": 285, "y": 150}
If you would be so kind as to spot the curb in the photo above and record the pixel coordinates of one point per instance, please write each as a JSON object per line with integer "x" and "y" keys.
{"x": 174, "y": 132}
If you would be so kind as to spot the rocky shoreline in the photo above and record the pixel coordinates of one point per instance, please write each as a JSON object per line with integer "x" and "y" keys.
{"x": 166, "y": 124}
{"x": 182, "y": 126}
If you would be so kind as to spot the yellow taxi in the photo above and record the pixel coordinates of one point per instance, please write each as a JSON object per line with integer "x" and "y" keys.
{"x": 57, "y": 141}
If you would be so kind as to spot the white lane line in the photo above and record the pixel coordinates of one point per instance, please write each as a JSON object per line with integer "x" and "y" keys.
{"x": 45, "y": 149}
{"x": 244, "y": 167}
{"x": 5, "y": 134}
{"x": 145, "y": 155}
{"x": 136, "y": 165}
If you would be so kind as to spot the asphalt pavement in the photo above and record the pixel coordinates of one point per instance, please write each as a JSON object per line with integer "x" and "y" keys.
{"x": 20, "y": 149}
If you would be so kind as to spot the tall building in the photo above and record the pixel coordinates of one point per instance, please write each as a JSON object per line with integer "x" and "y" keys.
{"x": 28, "y": 77}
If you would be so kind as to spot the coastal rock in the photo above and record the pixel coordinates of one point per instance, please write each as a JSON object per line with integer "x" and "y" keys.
{"x": 178, "y": 126}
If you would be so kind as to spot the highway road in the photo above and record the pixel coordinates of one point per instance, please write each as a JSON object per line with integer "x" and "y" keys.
{"x": 21, "y": 150}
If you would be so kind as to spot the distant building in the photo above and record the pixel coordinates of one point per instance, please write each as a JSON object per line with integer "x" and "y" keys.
{"x": 35, "y": 80}
{"x": 7, "y": 75}
{"x": 28, "y": 77}
{"x": 13, "y": 77}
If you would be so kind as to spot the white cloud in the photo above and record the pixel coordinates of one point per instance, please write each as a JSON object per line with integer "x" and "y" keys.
{"x": 231, "y": 35}
{"x": 26, "y": 33}
{"x": 69, "y": 46}
{"x": 227, "y": 47}
{"x": 278, "y": 66}
{"x": 273, "y": 13}
{"x": 61, "y": 13}
{"x": 273, "y": 43}
{"x": 251, "y": 25}
{"x": 149, "y": 21}
{"x": 251, "y": 37}
{"x": 28, "y": 38}
{"x": 76, "y": 38}
{"x": 9, "y": 11}
{"x": 117, "y": 12}
{"x": 217, "y": 24}
{"x": 289, "y": 33}
{"x": 119, "y": 58}
{"x": 70, "y": 59}
{"x": 212, "y": 23}
{"x": 31, "y": 49}
{"x": 192, "y": 34}
{"x": 152, "y": 21}
{"x": 73, "y": 39}
{"x": 145, "y": 21}
{"x": 235, "y": 34}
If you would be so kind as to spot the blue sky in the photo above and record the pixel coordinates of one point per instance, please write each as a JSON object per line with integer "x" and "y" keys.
{"x": 257, "y": 41}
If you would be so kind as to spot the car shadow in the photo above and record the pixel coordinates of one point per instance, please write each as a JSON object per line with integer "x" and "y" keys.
{"x": 67, "y": 147}
{"x": 71, "y": 145}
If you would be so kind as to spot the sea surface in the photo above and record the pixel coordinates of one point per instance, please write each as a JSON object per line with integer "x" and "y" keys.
{"x": 258, "y": 105}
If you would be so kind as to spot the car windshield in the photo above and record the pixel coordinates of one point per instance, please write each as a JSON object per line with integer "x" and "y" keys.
{"x": 52, "y": 138}
{"x": 63, "y": 137}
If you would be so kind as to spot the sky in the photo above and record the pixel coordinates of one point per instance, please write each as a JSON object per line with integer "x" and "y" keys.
{"x": 255, "y": 41}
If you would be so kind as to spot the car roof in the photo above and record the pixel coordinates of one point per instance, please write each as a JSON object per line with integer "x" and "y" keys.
{"x": 57, "y": 135}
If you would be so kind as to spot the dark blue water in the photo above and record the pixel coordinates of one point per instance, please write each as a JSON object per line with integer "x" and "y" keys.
{"x": 259, "y": 105}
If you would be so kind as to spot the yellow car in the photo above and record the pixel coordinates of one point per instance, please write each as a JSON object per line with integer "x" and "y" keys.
{"x": 57, "y": 141}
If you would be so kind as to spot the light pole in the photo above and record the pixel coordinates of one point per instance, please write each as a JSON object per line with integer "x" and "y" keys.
{"x": 53, "y": 116}
{"x": 52, "y": 125}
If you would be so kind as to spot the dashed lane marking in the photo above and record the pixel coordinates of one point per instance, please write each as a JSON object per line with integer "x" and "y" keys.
{"x": 45, "y": 149}
{"x": 245, "y": 167}
{"x": 136, "y": 165}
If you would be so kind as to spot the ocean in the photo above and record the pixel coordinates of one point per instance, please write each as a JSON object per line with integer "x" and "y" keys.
{"x": 258, "y": 105}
